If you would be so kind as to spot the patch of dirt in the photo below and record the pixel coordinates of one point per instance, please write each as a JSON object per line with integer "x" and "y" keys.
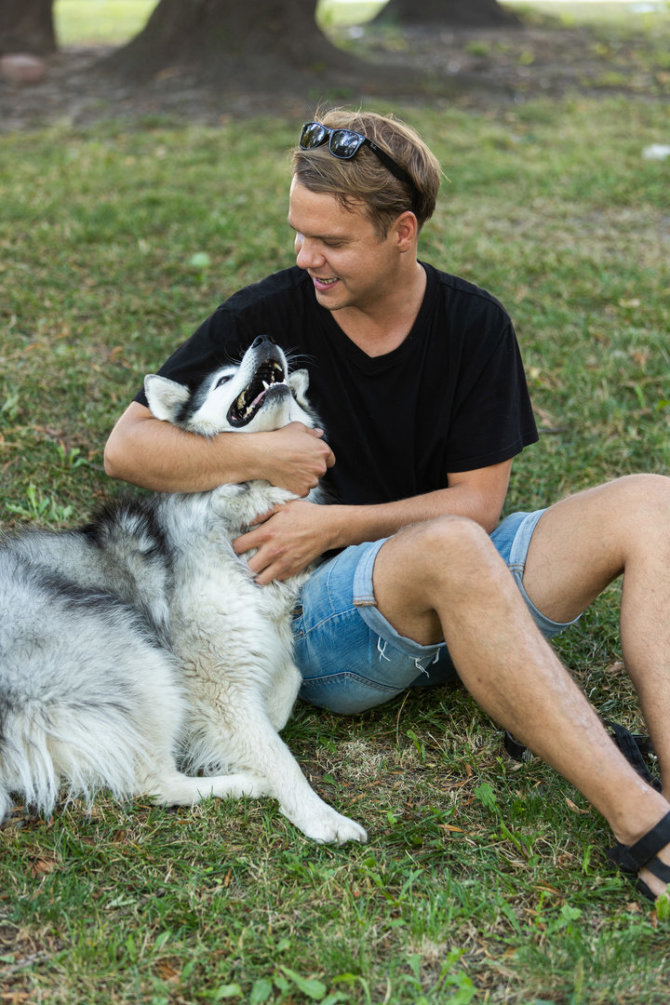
{"x": 512, "y": 64}
{"x": 469, "y": 67}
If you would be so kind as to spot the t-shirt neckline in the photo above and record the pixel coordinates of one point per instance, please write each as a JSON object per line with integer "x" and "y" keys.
{"x": 377, "y": 363}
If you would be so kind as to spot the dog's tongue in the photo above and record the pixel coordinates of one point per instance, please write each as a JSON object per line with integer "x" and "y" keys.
{"x": 257, "y": 399}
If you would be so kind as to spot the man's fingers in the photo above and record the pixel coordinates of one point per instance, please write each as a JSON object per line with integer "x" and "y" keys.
{"x": 330, "y": 457}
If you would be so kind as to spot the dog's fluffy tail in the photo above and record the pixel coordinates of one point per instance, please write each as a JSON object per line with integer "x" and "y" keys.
{"x": 88, "y": 699}
{"x": 84, "y": 751}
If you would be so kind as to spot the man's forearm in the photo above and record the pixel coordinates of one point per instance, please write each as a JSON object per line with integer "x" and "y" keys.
{"x": 478, "y": 495}
{"x": 292, "y": 536}
{"x": 156, "y": 455}
{"x": 355, "y": 524}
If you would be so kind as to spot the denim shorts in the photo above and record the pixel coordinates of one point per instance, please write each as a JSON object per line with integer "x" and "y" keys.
{"x": 351, "y": 658}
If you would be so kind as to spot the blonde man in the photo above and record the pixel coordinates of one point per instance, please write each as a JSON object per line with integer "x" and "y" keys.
{"x": 417, "y": 376}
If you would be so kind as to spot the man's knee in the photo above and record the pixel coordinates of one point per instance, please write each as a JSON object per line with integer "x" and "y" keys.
{"x": 433, "y": 566}
{"x": 641, "y": 498}
{"x": 453, "y": 545}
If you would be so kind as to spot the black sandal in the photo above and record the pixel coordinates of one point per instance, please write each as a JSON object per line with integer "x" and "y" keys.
{"x": 642, "y": 854}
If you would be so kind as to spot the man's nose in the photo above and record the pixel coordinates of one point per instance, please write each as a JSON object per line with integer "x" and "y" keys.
{"x": 307, "y": 255}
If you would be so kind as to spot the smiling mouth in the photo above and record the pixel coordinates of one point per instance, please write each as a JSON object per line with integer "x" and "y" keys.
{"x": 269, "y": 377}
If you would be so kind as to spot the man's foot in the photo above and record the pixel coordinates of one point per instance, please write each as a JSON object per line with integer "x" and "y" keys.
{"x": 648, "y": 858}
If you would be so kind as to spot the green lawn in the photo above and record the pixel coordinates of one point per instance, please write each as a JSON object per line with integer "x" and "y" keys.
{"x": 483, "y": 880}
{"x": 85, "y": 22}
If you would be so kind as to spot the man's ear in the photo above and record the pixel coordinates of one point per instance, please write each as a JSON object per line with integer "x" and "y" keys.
{"x": 406, "y": 228}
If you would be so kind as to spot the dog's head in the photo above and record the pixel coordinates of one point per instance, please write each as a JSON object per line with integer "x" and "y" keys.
{"x": 256, "y": 395}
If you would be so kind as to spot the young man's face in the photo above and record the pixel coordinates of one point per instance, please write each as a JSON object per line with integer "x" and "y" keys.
{"x": 347, "y": 261}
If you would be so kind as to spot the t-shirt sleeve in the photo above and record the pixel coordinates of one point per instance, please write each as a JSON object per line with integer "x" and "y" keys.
{"x": 269, "y": 307}
{"x": 219, "y": 340}
{"x": 492, "y": 418}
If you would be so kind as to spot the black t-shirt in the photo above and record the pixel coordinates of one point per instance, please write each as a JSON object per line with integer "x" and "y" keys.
{"x": 452, "y": 397}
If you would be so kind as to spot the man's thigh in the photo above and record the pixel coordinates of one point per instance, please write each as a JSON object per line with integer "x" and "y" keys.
{"x": 584, "y": 541}
{"x": 350, "y": 657}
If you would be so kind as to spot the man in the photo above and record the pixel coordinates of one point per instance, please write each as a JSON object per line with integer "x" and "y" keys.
{"x": 418, "y": 379}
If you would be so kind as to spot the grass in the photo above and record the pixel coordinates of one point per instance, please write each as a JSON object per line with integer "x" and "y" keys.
{"x": 91, "y": 22}
{"x": 484, "y": 880}
{"x": 593, "y": 11}
{"x": 86, "y": 22}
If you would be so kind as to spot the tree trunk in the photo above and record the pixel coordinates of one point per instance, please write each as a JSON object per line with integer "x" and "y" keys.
{"x": 471, "y": 13}
{"x": 27, "y": 26}
{"x": 230, "y": 41}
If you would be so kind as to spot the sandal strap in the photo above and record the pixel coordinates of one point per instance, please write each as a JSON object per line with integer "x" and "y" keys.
{"x": 658, "y": 869}
{"x": 645, "y": 890}
{"x": 650, "y": 843}
{"x": 620, "y": 857}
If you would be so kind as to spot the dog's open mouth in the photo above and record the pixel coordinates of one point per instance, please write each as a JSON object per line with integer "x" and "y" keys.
{"x": 268, "y": 377}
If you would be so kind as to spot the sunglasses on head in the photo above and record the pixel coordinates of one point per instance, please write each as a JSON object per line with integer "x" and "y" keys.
{"x": 345, "y": 144}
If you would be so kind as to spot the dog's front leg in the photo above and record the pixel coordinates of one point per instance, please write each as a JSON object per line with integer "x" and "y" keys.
{"x": 250, "y": 742}
{"x": 297, "y": 799}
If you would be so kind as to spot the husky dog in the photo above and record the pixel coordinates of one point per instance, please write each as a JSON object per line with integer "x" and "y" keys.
{"x": 142, "y": 640}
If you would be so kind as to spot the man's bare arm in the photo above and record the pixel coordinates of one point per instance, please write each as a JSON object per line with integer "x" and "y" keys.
{"x": 294, "y": 535}
{"x": 156, "y": 455}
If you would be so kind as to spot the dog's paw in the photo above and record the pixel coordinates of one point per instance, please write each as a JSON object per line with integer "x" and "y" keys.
{"x": 327, "y": 826}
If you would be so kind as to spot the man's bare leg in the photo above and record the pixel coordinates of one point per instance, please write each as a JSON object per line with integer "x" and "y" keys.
{"x": 443, "y": 578}
{"x": 583, "y": 543}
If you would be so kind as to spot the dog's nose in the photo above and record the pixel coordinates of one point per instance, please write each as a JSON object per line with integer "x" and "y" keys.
{"x": 261, "y": 340}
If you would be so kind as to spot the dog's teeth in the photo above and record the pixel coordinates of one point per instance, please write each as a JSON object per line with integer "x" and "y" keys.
{"x": 265, "y": 385}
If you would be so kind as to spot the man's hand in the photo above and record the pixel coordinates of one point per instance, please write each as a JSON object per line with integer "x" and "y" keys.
{"x": 287, "y": 539}
{"x": 297, "y": 459}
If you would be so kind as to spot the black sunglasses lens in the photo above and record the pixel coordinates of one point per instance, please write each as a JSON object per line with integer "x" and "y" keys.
{"x": 313, "y": 135}
{"x": 344, "y": 143}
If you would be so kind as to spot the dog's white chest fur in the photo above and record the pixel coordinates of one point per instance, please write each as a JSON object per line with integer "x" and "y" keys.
{"x": 227, "y": 631}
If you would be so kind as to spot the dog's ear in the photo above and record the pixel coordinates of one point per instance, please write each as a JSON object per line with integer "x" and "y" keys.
{"x": 166, "y": 397}
{"x": 298, "y": 381}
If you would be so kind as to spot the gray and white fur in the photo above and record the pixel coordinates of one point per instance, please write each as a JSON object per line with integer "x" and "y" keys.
{"x": 141, "y": 642}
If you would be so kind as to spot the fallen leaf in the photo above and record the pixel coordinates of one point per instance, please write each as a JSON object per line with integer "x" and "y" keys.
{"x": 575, "y": 808}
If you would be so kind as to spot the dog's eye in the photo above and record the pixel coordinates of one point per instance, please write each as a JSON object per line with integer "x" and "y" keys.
{"x": 223, "y": 380}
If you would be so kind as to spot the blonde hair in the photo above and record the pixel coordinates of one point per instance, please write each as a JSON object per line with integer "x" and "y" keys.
{"x": 365, "y": 178}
